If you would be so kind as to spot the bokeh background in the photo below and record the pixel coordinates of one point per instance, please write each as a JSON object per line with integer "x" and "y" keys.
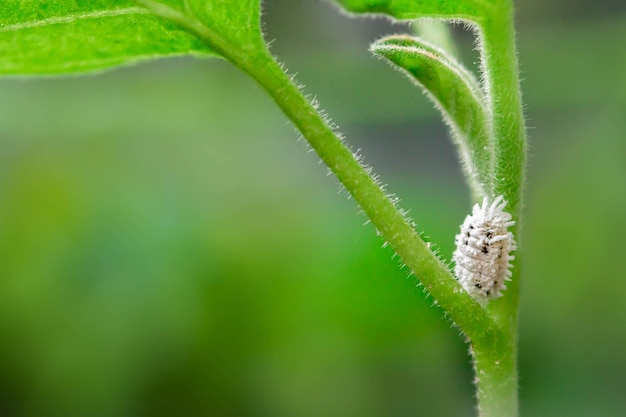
{"x": 168, "y": 246}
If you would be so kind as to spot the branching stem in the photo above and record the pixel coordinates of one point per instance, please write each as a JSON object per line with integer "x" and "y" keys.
{"x": 392, "y": 225}
{"x": 495, "y": 362}
{"x": 377, "y": 205}
{"x": 491, "y": 331}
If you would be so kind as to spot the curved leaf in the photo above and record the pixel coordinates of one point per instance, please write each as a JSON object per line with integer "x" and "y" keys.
{"x": 44, "y": 37}
{"x": 456, "y": 93}
{"x": 415, "y": 9}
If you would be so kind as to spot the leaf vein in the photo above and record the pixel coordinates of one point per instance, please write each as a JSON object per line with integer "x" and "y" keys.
{"x": 73, "y": 18}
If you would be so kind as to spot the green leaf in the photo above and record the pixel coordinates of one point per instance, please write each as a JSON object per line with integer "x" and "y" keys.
{"x": 415, "y": 9}
{"x": 456, "y": 93}
{"x": 237, "y": 20}
{"x": 230, "y": 27}
{"x": 53, "y": 37}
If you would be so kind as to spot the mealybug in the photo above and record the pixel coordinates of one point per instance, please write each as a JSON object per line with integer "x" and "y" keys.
{"x": 483, "y": 250}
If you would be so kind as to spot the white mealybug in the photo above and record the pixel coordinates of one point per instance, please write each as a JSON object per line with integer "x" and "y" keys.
{"x": 483, "y": 250}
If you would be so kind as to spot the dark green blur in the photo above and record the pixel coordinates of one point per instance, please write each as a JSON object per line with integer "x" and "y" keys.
{"x": 169, "y": 248}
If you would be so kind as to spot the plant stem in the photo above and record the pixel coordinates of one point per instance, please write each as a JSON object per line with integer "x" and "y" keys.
{"x": 378, "y": 206}
{"x": 495, "y": 359}
{"x": 503, "y": 87}
{"x": 495, "y": 367}
{"x": 494, "y": 345}
{"x": 500, "y": 64}
{"x": 393, "y": 226}
{"x": 492, "y": 332}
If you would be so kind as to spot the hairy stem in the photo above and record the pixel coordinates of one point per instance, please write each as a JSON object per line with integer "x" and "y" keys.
{"x": 393, "y": 226}
{"x": 500, "y": 65}
{"x": 492, "y": 332}
{"x": 503, "y": 87}
{"x": 378, "y": 206}
{"x": 493, "y": 342}
{"x": 495, "y": 361}
{"x": 495, "y": 366}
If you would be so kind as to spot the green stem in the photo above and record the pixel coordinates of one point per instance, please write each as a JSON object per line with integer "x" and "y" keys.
{"x": 378, "y": 206}
{"x": 495, "y": 367}
{"x": 503, "y": 88}
{"x": 509, "y": 133}
{"x": 492, "y": 331}
{"x": 494, "y": 347}
{"x": 393, "y": 226}
{"x": 495, "y": 359}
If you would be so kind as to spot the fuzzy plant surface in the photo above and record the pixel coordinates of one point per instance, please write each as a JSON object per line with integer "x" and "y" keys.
{"x": 484, "y": 115}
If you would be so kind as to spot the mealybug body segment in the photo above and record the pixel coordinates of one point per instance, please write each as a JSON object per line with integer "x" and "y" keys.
{"x": 483, "y": 250}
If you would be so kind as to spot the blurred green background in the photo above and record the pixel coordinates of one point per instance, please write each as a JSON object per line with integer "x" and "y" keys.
{"x": 168, "y": 246}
